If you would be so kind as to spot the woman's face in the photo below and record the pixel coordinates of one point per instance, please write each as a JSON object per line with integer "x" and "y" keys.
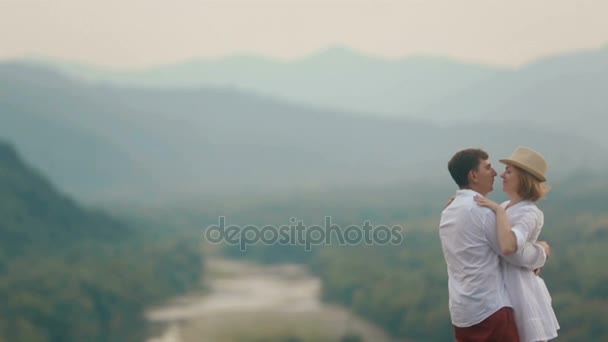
{"x": 510, "y": 180}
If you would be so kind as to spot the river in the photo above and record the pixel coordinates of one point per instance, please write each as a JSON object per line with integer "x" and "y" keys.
{"x": 247, "y": 301}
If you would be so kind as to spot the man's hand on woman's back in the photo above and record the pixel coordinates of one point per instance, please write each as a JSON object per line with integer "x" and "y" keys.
{"x": 546, "y": 247}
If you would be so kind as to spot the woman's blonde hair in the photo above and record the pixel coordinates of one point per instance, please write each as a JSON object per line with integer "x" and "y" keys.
{"x": 530, "y": 188}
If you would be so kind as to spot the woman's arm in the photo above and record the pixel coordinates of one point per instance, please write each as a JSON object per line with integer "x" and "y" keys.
{"x": 506, "y": 237}
{"x": 529, "y": 255}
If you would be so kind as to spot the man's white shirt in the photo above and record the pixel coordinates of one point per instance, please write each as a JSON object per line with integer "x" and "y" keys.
{"x": 470, "y": 246}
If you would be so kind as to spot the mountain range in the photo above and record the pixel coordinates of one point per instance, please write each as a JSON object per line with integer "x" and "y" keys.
{"x": 337, "y": 77}
{"x": 116, "y": 140}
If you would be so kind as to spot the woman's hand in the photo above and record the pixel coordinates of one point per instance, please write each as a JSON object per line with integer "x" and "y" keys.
{"x": 486, "y": 202}
{"x": 449, "y": 202}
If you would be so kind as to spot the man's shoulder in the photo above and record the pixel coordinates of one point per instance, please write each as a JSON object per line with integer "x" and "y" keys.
{"x": 478, "y": 215}
{"x": 467, "y": 206}
{"x": 471, "y": 206}
{"x": 483, "y": 215}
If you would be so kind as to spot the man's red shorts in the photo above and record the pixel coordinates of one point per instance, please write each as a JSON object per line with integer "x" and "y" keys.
{"x": 498, "y": 327}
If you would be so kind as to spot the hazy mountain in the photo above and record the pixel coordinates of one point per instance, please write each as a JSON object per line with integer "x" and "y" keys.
{"x": 54, "y": 122}
{"x": 67, "y": 272}
{"x": 220, "y": 141}
{"x": 337, "y": 77}
{"x": 35, "y": 216}
{"x": 564, "y": 91}
{"x": 567, "y": 92}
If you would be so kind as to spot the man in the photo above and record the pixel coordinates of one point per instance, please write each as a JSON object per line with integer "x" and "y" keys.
{"x": 480, "y": 308}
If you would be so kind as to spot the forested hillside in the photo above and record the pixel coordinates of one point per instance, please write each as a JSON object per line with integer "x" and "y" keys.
{"x": 73, "y": 274}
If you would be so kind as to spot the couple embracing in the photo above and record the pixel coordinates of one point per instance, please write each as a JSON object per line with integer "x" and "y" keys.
{"x": 491, "y": 250}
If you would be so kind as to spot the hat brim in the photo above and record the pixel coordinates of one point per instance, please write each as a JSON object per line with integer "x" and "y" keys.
{"x": 536, "y": 175}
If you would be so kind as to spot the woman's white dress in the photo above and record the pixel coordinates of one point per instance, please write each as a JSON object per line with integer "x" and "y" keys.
{"x": 531, "y": 300}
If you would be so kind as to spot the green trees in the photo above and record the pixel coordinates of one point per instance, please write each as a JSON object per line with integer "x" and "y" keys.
{"x": 72, "y": 274}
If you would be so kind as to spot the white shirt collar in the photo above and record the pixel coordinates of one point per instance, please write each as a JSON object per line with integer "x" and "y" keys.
{"x": 467, "y": 192}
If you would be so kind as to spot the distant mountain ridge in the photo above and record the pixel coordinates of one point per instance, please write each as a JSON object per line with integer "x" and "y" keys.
{"x": 337, "y": 77}
{"x": 47, "y": 116}
{"x": 563, "y": 92}
{"x": 150, "y": 144}
{"x": 566, "y": 93}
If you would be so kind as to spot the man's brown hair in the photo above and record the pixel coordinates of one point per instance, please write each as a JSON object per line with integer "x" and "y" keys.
{"x": 463, "y": 162}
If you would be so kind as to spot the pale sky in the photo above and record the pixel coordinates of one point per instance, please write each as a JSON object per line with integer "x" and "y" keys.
{"x": 138, "y": 33}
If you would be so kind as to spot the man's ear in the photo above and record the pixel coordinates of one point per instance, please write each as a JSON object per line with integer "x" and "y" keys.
{"x": 472, "y": 176}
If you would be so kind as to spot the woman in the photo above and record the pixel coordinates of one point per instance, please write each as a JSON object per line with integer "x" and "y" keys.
{"x": 519, "y": 221}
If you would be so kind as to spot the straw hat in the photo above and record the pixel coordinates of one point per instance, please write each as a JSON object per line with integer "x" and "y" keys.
{"x": 528, "y": 160}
